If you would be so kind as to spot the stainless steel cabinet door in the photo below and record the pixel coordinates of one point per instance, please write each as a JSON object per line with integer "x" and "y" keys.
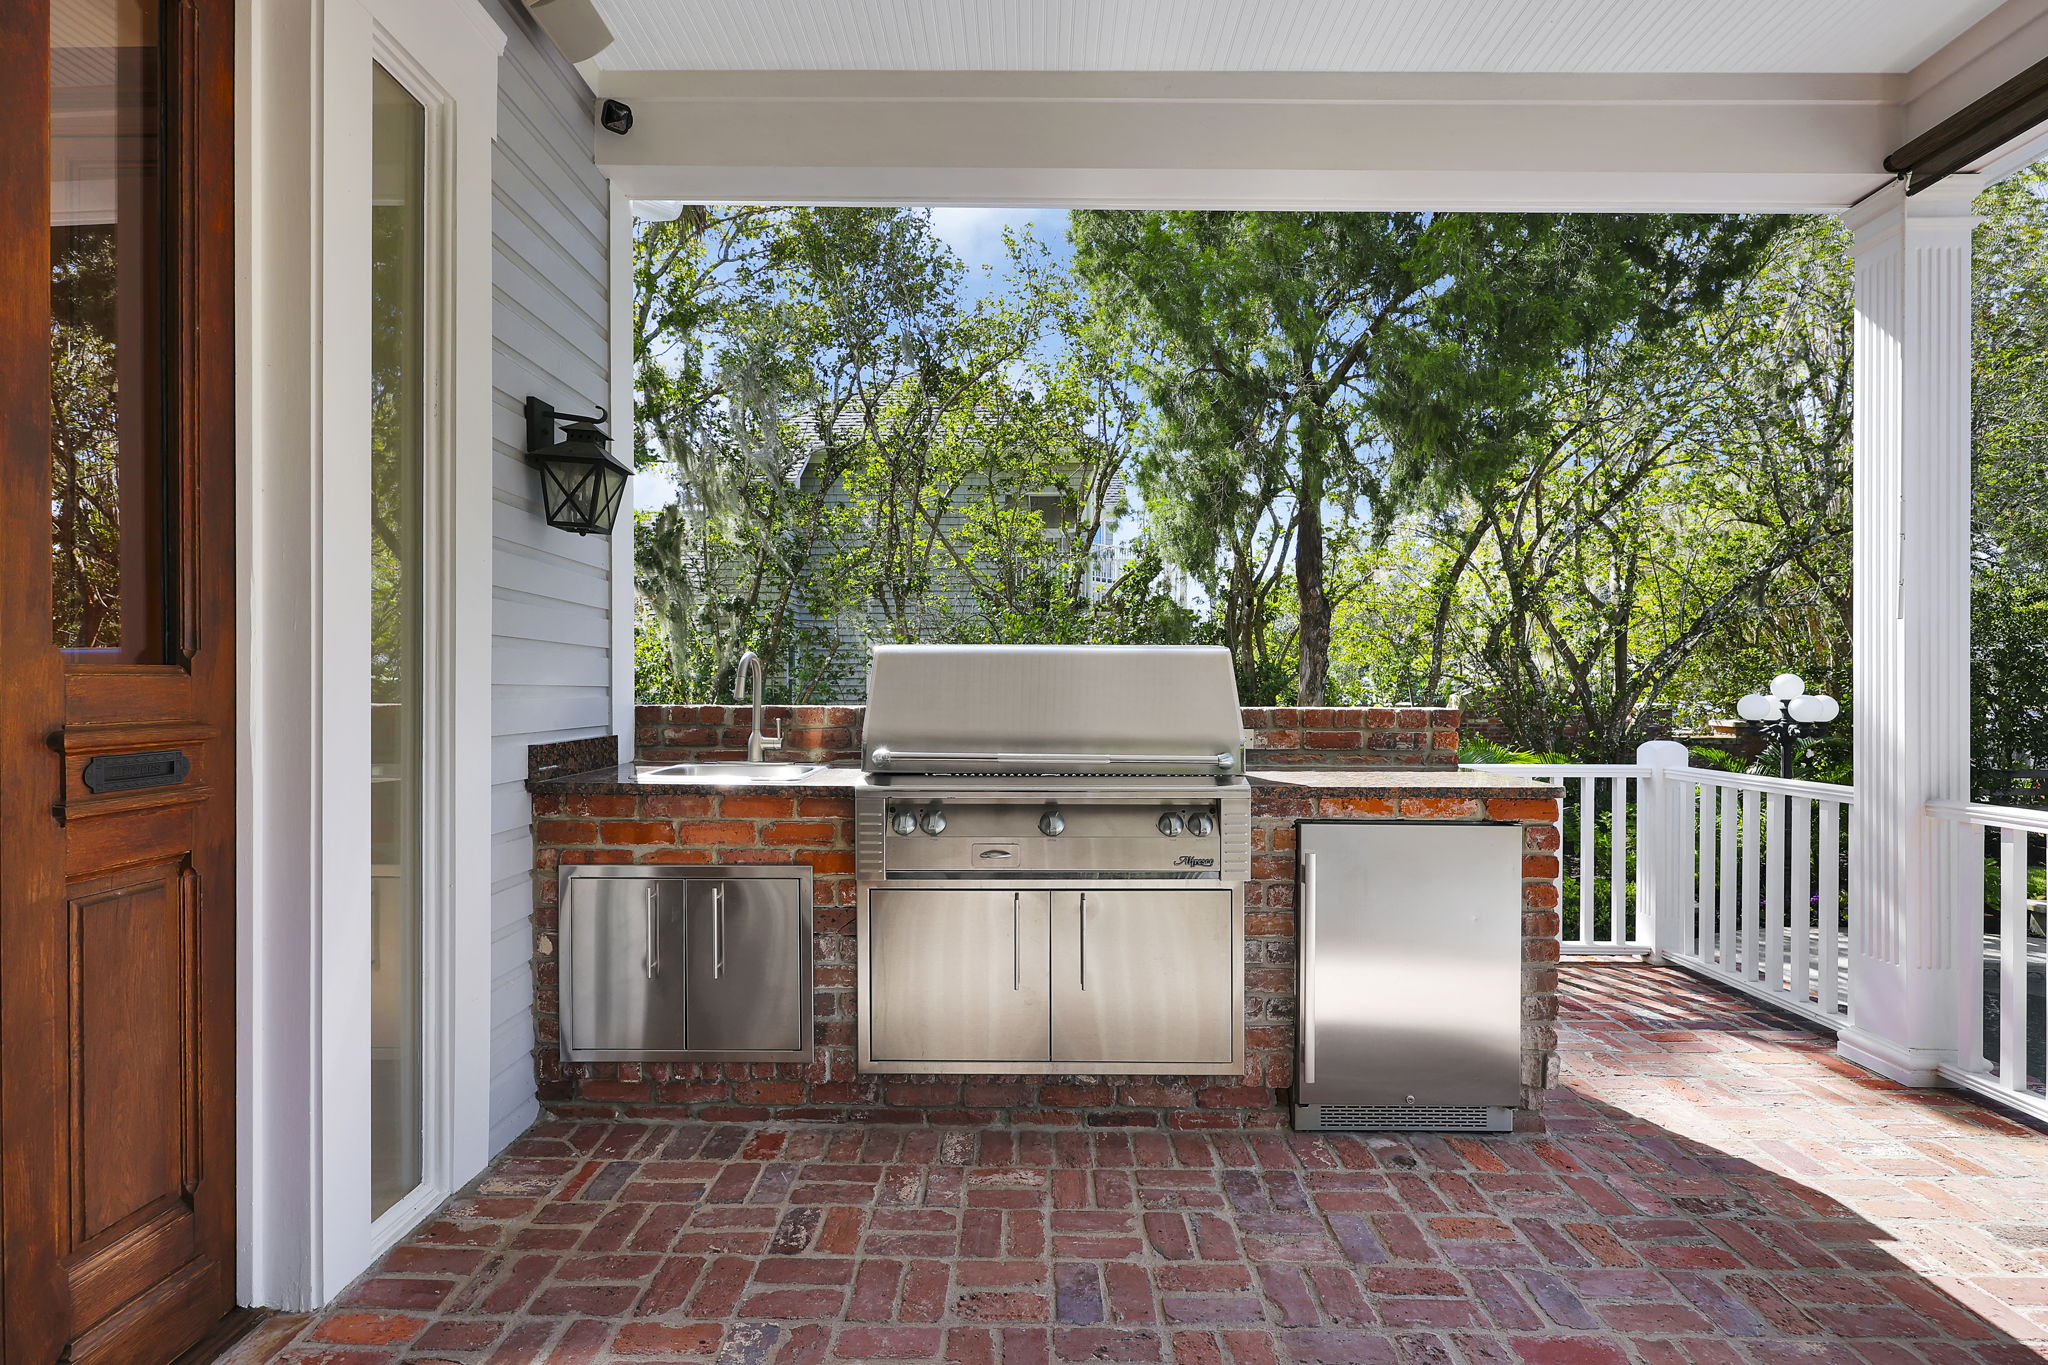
{"x": 1143, "y": 976}
{"x": 1411, "y": 964}
{"x": 623, "y": 973}
{"x": 957, "y": 976}
{"x": 746, "y": 991}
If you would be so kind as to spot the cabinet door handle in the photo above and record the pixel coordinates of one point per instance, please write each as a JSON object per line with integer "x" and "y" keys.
{"x": 653, "y": 937}
{"x": 1084, "y": 940}
{"x": 1308, "y": 970}
{"x": 1016, "y": 941}
{"x": 717, "y": 931}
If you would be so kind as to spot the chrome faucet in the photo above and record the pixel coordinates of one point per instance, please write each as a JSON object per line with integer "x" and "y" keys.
{"x": 757, "y": 742}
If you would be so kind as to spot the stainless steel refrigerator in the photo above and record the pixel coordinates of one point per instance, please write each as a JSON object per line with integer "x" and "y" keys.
{"x": 1410, "y": 976}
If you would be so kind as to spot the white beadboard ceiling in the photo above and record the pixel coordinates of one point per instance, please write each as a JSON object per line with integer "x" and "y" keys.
{"x": 1760, "y": 36}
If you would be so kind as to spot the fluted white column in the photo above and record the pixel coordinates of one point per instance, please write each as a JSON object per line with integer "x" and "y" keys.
{"x": 1912, "y": 623}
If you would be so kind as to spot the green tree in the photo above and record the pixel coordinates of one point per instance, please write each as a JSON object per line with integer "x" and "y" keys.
{"x": 1307, "y": 366}
{"x": 861, "y": 453}
{"x": 2009, "y": 447}
{"x": 1676, "y": 530}
{"x": 85, "y": 439}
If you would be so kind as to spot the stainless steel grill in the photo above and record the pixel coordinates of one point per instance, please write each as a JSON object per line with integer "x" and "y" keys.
{"x": 1050, "y": 849}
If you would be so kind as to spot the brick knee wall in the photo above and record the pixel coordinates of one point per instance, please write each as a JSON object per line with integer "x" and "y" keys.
{"x": 734, "y": 828}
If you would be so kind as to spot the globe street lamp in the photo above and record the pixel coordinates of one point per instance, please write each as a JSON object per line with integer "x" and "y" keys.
{"x": 1788, "y": 715}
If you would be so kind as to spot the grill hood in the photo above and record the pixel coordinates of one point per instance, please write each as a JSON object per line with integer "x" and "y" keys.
{"x": 1118, "y": 710}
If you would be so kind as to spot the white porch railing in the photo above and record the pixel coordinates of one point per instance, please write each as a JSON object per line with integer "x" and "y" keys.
{"x": 1757, "y": 894}
{"x": 1739, "y": 877}
{"x": 2001, "y": 952}
{"x": 1745, "y": 880}
{"x": 1601, "y": 854}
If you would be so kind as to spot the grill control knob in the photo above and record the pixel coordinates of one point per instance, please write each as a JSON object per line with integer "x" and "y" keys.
{"x": 904, "y": 822}
{"x": 1170, "y": 825}
{"x": 1201, "y": 824}
{"x": 1052, "y": 824}
{"x": 934, "y": 821}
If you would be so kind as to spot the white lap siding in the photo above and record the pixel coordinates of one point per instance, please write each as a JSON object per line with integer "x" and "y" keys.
{"x": 551, "y": 622}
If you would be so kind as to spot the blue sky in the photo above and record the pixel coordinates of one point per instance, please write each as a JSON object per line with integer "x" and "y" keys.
{"x": 977, "y": 235}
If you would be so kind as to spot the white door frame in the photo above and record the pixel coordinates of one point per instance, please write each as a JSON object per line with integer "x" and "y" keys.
{"x": 303, "y": 214}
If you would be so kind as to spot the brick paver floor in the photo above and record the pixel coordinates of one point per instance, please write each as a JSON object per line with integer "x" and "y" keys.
{"x": 1716, "y": 1188}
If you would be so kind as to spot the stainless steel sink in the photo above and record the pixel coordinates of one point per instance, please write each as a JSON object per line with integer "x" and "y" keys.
{"x": 738, "y": 772}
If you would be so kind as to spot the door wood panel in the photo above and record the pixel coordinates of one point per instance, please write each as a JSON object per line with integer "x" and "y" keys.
{"x": 117, "y": 948}
{"x": 133, "y": 964}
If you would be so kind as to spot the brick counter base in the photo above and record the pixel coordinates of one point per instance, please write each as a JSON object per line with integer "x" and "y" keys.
{"x": 1269, "y": 984}
{"x": 1337, "y": 736}
{"x": 754, "y": 827}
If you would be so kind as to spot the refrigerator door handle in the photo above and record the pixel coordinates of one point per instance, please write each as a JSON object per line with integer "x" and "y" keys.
{"x": 717, "y": 930}
{"x": 653, "y": 937}
{"x": 1308, "y": 969}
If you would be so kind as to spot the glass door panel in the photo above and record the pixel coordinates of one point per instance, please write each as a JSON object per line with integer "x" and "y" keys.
{"x": 397, "y": 438}
{"x": 107, "y": 494}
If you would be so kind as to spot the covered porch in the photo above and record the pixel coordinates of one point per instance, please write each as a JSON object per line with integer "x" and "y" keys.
{"x": 1717, "y": 1186}
{"x": 1927, "y": 976}
{"x": 1719, "y": 1183}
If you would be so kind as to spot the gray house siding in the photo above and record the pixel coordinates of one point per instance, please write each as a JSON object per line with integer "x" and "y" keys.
{"x": 551, "y": 623}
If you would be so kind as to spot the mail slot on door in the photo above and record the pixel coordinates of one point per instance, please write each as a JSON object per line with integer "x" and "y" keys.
{"x": 132, "y": 772}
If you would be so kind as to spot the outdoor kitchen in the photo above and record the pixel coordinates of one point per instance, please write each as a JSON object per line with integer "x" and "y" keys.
{"x": 1069, "y": 886}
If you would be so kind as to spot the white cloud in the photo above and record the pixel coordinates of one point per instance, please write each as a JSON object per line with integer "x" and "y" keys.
{"x": 977, "y": 233}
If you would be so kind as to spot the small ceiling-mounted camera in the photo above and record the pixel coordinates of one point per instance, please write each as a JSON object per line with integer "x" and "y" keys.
{"x": 616, "y": 115}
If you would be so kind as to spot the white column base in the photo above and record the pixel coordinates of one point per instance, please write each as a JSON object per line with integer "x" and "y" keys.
{"x": 1918, "y": 1068}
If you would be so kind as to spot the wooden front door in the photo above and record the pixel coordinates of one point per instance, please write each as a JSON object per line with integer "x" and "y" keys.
{"x": 117, "y": 680}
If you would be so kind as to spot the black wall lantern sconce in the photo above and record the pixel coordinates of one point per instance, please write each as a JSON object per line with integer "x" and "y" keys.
{"x": 581, "y": 483}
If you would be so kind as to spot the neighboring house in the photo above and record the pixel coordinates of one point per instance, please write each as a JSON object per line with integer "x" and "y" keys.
{"x": 949, "y": 609}
{"x": 277, "y": 279}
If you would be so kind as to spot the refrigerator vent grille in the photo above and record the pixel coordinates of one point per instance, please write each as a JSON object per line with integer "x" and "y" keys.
{"x": 1403, "y": 1118}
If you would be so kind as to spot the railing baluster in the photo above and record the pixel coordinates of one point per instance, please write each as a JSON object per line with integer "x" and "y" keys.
{"x": 1690, "y": 847}
{"x": 2012, "y": 958}
{"x": 1705, "y": 839}
{"x": 1799, "y": 901}
{"x": 1830, "y": 908}
{"x": 1774, "y": 912}
{"x": 1748, "y": 953}
{"x": 1730, "y": 931}
{"x": 1588, "y": 856}
{"x": 2037, "y": 1043}
{"x": 1617, "y": 875}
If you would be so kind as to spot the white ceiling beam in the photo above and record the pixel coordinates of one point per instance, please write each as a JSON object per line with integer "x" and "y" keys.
{"x": 1151, "y": 139}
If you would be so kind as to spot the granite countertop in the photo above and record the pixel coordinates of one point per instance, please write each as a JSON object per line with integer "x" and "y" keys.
{"x": 631, "y": 778}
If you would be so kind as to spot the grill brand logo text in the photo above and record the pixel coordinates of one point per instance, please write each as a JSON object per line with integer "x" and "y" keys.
{"x": 1190, "y": 860}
